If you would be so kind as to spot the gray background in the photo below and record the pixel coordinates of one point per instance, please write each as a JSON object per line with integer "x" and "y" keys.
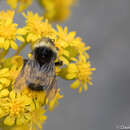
{"x": 106, "y": 105}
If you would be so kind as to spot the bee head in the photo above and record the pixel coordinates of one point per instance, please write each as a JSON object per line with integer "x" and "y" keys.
{"x": 44, "y": 51}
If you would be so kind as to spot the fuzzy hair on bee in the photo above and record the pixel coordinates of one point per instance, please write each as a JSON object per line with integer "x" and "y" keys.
{"x": 38, "y": 73}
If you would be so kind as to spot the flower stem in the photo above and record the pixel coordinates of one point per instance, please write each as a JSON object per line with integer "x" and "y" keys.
{"x": 20, "y": 48}
{"x": 3, "y": 53}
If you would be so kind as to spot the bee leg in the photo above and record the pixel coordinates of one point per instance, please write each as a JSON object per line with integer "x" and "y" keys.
{"x": 24, "y": 62}
{"x": 58, "y": 63}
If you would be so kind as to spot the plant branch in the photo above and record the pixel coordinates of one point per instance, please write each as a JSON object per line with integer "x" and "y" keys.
{"x": 20, "y": 48}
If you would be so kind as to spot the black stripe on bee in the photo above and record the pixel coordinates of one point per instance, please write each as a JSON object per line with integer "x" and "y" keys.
{"x": 58, "y": 63}
{"x": 36, "y": 87}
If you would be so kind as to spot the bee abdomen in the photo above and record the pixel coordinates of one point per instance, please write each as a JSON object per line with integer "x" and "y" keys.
{"x": 36, "y": 87}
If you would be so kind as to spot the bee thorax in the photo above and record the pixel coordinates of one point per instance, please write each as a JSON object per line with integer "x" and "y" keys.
{"x": 44, "y": 55}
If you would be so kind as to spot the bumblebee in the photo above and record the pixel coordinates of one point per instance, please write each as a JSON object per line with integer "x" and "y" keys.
{"x": 38, "y": 73}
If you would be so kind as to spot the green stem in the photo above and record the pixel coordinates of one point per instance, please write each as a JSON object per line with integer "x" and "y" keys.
{"x": 3, "y": 53}
{"x": 20, "y": 48}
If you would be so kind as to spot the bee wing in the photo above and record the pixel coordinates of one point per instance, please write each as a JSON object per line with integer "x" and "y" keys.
{"x": 52, "y": 89}
{"x": 20, "y": 82}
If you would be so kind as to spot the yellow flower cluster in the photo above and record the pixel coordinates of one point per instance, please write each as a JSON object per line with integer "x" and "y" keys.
{"x": 82, "y": 71}
{"x": 19, "y": 5}
{"x": 25, "y": 110}
{"x": 36, "y": 28}
{"x": 57, "y": 10}
{"x": 54, "y": 10}
{"x": 9, "y": 31}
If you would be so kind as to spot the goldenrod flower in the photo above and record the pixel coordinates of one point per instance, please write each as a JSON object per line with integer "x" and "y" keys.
{"x": 38, "y": 97}
{"x": 54, "y": 10}
{"x": 6, "y": 16}
{"x": 24, "y": 110}
{"x": 52, "y": 103}
{"x": 66, "y": 38}
{"x": 4, "y": 77}
{"x": 69, "y": 45}
{"x": 82, "y": 72}
{"x": 19, "y": 109}
{"x": 36, "y": 27}
{"x": 4, "y": 93}
{"x": 9, "y": 71}
{"x": 16, "y": 62}
{"x": 20, "y": 5}
{"x": 38, "y": 118}
{"x": 16, "y": 127}
{"x": 57, "y": 10}
{"x": 8, "y": 31}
